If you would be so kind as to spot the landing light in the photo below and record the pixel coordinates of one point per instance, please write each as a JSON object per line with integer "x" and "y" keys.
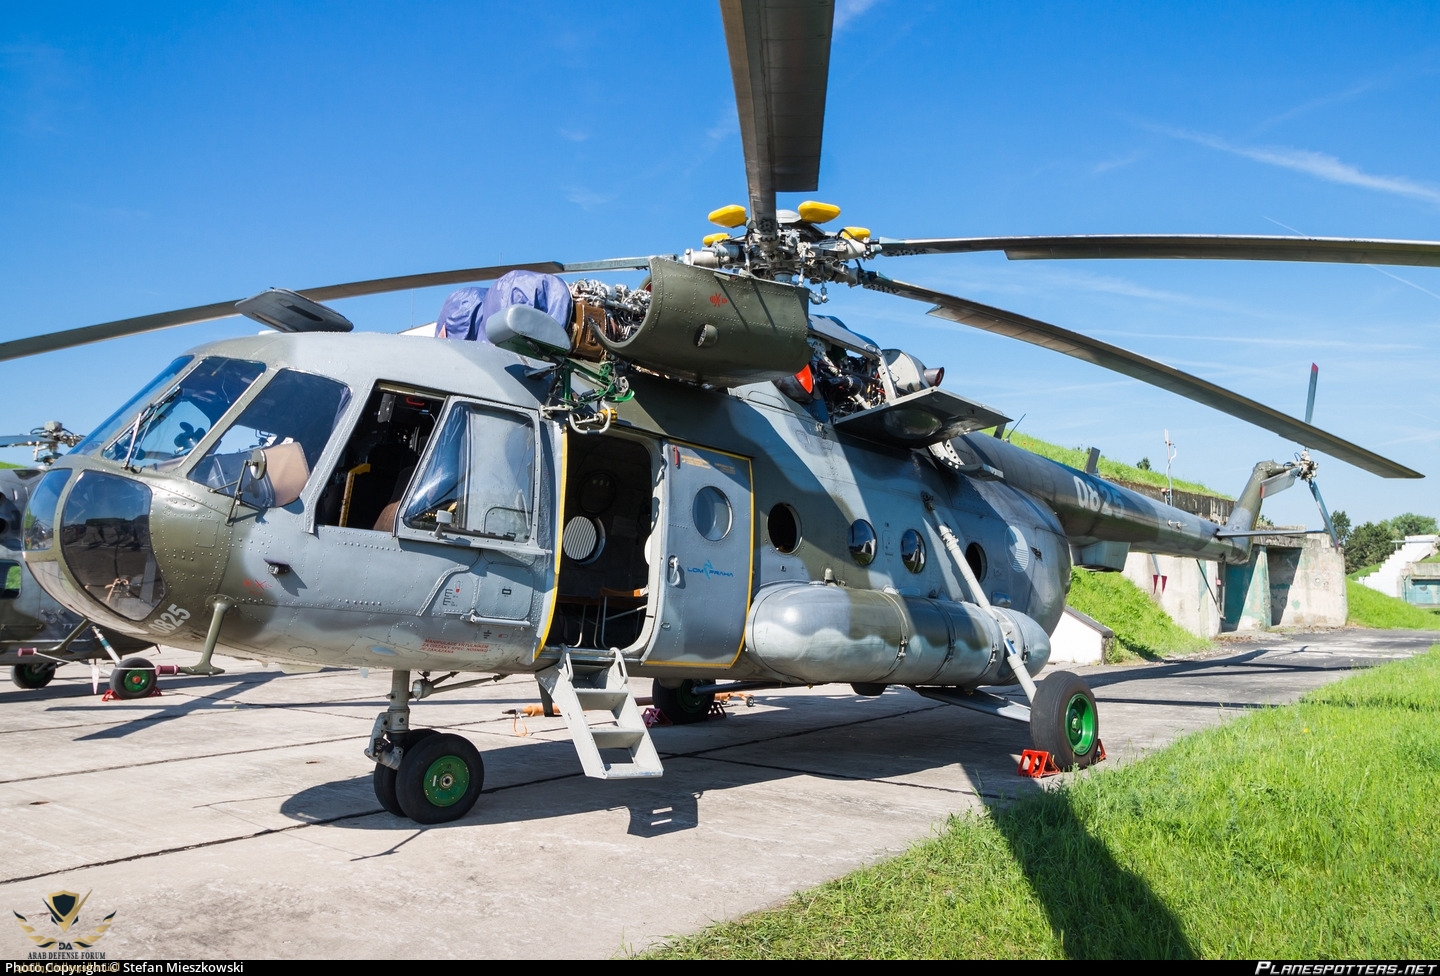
{"x": 731, "y": 216}
{"x": 815, "y": 212}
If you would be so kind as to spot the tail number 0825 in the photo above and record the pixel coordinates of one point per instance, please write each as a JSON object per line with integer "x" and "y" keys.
{"x": 170, "y": 621}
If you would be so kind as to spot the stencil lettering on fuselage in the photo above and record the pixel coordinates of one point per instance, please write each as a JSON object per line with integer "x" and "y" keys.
{"x": 1103, "y": 499}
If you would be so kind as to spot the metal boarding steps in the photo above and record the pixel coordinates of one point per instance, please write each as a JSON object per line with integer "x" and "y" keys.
{"x": 576, "y": 689}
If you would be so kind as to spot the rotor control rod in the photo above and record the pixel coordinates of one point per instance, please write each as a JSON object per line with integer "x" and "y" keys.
{"x": 956, "y": 550}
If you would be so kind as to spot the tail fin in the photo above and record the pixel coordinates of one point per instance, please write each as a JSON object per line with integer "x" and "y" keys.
{"x": 1266, "y": 478}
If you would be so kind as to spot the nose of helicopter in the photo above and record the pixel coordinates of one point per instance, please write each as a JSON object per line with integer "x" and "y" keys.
{"x": 94, "y": 547}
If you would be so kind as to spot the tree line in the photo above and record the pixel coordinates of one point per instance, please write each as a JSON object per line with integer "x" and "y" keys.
{"x": 1371, "y": 543}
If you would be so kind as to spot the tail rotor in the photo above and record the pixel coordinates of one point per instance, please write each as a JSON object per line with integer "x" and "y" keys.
{"x": 1306, "y": 466}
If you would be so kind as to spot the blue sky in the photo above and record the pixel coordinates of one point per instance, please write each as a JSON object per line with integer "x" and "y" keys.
{"x": 155, "y": 157}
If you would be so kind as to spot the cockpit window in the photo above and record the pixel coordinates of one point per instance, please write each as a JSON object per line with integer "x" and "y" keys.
{"x": 125, "y": 416}
{"x": 482, "y": 472}
{"x": 291, "y": 419}
{"x": 170, "y": 424}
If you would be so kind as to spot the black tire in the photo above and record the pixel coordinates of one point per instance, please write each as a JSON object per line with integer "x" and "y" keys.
{"x": 681, "y": 706}
{"x": 868, "y": 689}
{"x": 1064, "y": 721}
{"x": 383, "y": 778}
{"x": 32, "y": 676}
{"x": 439, "y": 779}
{"x": 133, "y": 677}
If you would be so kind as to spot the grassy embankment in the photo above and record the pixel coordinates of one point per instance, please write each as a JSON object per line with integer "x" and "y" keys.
{"x": 1114, "y": 470}
{"x": 1142, "y": 630}
{"x": 1301, "y": 832}
{"x": 1369, "y": 608}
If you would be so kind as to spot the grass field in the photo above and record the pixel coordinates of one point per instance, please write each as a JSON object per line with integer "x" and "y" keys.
{"x": 1142, "y": 630}
{"x": 1301, "y": 832}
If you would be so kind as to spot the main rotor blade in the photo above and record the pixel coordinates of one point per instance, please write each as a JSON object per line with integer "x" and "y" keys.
{"x": 1053, "y": 337}
{"x": 1338, "y": 250}
{"x": 21, "y": 440}
{"x": 780, "y": 62}
{"x": 51, "y": 341}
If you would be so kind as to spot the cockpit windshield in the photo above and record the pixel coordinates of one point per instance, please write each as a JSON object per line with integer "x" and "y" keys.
{"x": 179, "y": 414}
{"x": 125, "y": 416}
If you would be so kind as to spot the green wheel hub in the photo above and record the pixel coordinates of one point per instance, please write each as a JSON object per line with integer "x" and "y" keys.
{"x": 137, "y": 681}
{"x": 446, "y": 781}
{"x": 691, "y": 702}
{"x": 1080, "y": 723}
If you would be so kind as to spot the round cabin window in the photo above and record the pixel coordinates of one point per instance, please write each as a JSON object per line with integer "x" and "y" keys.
{"x": 784, "y": 528}
{"x": 597, "y": 492}
{"x": 975, "y": 556}
{"x": 912, "y": 551}
{"x": 584, "y": 539}
{"x": 862, "y": 542}
{"x": 711, "y": 513}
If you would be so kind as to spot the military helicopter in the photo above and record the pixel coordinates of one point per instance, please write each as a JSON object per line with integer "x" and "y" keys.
{"x": 697, "y": 480}
{"x": 37, "y": 634}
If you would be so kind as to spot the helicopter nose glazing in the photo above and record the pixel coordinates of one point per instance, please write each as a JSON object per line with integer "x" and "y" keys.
{"x": 104, "y": 535}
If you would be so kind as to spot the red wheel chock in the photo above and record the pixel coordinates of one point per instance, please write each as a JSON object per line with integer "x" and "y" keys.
{"x": 1036, "y": 763}
{"x": 111, "y": 696}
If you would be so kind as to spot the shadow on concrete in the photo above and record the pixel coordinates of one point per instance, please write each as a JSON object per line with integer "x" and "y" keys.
{"x": 1097, "y": 908}
{"x": 541, "y": 780}
{"x": 169, "y": 705}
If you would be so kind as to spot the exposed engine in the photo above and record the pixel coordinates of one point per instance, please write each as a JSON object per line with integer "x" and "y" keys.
{"x": 621, "y": 309}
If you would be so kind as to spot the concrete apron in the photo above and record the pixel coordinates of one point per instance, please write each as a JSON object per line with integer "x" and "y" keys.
{"x": 233, "y": 817}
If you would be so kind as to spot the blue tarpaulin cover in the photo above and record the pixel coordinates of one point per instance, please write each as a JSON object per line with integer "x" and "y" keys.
{"x": 458, "y": 314}
{"x": 464, "y": 313}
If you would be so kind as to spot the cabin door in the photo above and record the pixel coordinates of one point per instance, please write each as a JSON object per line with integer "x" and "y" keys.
{"x": 704, "y": 549}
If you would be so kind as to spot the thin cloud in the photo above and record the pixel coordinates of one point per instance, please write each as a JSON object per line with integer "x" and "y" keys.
{"x": 1372, "y": 267}
{"x": 848, "y": 10}
{"x": 588, "y": 199}
{"x": 1118, "y": 162}
{"x": 1317, "y": 164}
{"x": 1324, "y": 101}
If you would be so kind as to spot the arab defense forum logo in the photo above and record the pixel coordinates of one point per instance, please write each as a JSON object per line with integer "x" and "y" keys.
{"x": 64, "y": 907}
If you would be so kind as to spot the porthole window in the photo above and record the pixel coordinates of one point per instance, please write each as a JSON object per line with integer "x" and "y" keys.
{"x": 862, "y": 542}
{"x": 912, "y": 551}
{"x": 597, "y": 492}
{"x": 711, "y": 513}
{"x": 975, "y": 556}
{"x": 584, "y": 539}
{"x": 784, "y": 528}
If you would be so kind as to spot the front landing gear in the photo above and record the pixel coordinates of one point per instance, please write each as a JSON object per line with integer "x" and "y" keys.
{"x": 1064, "y": 721}
{"x": 439, "y": 779}
{"x": 422, "y": 774}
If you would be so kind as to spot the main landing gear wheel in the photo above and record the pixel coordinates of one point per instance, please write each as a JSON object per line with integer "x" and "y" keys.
{"x": 32, "y": 676}
{"x": 681, "y": 705}
{"x": 133, "y": 677}
{"x": 1064, "y": 721}
{"x": 439, "y": 779}
{"x": 383, "y": 779}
